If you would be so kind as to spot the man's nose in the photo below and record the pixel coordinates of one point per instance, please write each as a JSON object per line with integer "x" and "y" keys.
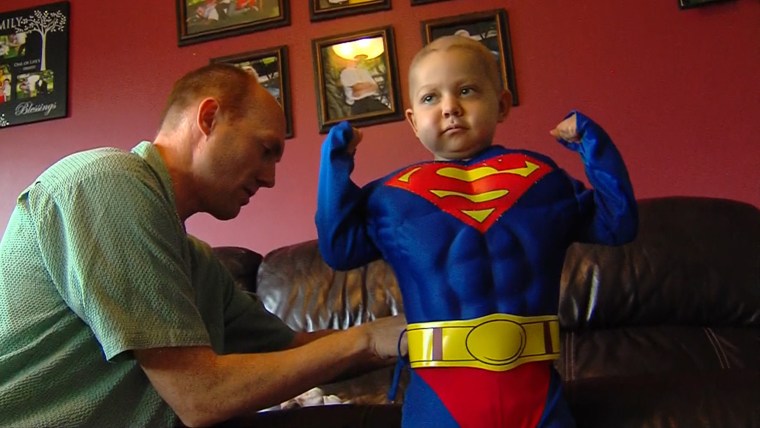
{"x": 266, "y": 175}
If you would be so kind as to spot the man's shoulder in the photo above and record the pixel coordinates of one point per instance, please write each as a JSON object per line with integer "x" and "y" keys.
{"x": 85, "y": 160}
{"x": 91, "y": 164}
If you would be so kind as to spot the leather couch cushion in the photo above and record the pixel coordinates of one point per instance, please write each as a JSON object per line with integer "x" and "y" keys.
{"x": 651, "y": 350}
{"x": 715, "y": 399}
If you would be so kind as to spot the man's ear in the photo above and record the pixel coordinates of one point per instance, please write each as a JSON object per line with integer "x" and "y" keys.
{"x": 208, "y": 111}
{"x": 409, "y": 113}
{"x": 505, "y": 102}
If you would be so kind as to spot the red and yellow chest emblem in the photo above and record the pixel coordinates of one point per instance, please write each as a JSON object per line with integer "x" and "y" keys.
{"x": 477, "y": 194}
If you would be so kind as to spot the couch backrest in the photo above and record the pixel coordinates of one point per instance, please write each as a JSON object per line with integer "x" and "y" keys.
{"x": 695, "y": 261}
{"x": 298, "y": 286}
{"x": 242, "y": 263}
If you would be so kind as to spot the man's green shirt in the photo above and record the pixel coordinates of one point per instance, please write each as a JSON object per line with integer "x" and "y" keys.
{"x": 95, "y": 263}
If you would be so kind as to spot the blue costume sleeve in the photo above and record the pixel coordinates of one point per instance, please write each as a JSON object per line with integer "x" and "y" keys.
{"x": 611, "y": 205}
{"x": 341, "y": 221}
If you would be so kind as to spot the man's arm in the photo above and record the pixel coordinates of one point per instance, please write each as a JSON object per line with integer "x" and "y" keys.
{"x": 204, "y": 388}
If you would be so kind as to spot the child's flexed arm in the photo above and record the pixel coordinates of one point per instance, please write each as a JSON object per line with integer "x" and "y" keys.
{"x": 611, "y": 205}
{"x": 341, "y": 215}
{"x": 567, "y": 130}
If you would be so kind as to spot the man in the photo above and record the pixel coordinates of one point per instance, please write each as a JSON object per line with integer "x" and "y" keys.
{"x": 360, "y": 88}
{"x": 111, "y": 315}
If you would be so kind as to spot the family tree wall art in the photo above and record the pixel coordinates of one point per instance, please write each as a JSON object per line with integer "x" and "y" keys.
{"x": 34, "y": 58}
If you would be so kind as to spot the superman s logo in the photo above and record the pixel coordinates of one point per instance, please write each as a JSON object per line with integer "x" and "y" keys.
{"x": 477, "y": 194}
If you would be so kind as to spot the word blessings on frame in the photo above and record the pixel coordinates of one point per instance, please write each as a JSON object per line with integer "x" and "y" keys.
{"x": 34, "y": 61}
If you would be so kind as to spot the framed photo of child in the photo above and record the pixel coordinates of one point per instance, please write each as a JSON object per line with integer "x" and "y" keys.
{"x": 203, "y": 20}
{"x": 356, "y": 78}
{"x": 491, "y": 28}
{"x": 270, "y": 66}
{"x": 330, "y": 9}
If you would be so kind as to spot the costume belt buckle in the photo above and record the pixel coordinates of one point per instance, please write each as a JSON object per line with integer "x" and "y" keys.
{"x": 496, "y": 342}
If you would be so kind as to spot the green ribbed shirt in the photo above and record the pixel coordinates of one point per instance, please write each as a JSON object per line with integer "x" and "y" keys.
{"x": 95, "y": 263}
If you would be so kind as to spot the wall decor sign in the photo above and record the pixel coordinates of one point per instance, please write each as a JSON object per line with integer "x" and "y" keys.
{"x": 329, "y": 9}
{"x": 686, "y": 4}
{"x": 34, "y": 62}
{"x": 203, "y": 20}
{"x": 356, "y": 78}
{"x": 270, "y": 66}
{"x": 491, "y": 28}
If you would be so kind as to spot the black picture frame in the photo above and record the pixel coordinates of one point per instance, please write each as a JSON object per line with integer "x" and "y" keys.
{"x": 375, "y": 97}
{"x": 271, "y": 67}
{"x": 419, "y": 2}
{"x": 34, "y": 64}
{"x": 321, "y": 10}
{"x": 688, "y": 4}
{"x": 204, "y": 20}
{"x": 489, "y": 27}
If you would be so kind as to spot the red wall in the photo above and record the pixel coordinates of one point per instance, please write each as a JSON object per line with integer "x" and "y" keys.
{"x": 677, "y": 89}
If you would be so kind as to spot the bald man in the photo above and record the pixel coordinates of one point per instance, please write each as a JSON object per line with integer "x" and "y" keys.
{"x": 111, "y": 315}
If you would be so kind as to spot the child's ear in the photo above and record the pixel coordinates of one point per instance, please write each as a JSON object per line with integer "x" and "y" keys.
{"x": 505, "y": 102}
{"x": 409, "y": 113}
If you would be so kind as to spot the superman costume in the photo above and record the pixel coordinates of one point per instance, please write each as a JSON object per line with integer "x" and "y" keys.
{"x": 478, "y": 247}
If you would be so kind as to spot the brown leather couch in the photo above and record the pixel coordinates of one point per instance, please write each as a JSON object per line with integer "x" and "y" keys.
{"x": 662, "y": 332}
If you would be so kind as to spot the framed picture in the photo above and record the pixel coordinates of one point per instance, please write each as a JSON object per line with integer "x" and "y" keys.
{"x": 686, "y": 4}
{"x": 356, "y": 78}
{"x": 416, "y": 2}
{"x": 34, "y": 63}
{"x": 270, "y": 66}
{"x": 203, "y": 20}
{"x": 329, "y": 9}
{"x": 491, "y": 28}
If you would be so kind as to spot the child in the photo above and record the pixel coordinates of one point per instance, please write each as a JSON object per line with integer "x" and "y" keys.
{"x": 477, "y": 239}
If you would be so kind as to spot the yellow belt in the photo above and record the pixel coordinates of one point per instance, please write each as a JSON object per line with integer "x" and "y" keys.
{"x": 496, "y": 342}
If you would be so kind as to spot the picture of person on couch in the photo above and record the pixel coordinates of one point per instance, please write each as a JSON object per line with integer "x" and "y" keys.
{"x": 112, "y": 315}
{"x": 477, "y": 239}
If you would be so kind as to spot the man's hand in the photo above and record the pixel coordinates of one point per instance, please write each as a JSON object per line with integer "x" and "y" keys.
{"x": 360, "y": 89}
{"x": 385, "y": 336}
{"x": 567, "y": 130}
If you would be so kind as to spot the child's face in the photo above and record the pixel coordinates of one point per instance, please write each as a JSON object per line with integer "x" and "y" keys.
{"x": 455, "y": 106}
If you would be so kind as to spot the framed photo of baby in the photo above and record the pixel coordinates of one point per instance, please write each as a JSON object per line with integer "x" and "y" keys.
{"x": 270, "y": 66}
{"x": 491, "y": 28}
{"x": 356, "y": 78}
{"x": 203, "y": 20}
